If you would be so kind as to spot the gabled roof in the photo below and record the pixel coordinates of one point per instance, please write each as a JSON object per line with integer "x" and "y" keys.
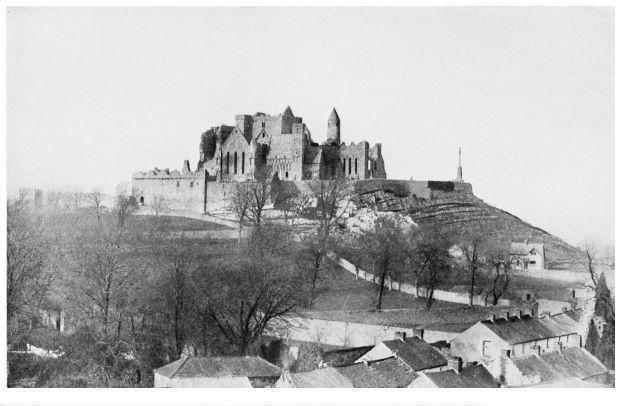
{"x": 416, "y": 353}
{"x": 473, "y": 376}
{"x": 313, "y": 155}
{"x": 525, "y": 329}
{"x": 318, "y": 378}
{"x": 363, "y": 376}
{"x": 573, "y": 362}
{"x": 394, "y": 371}
{"x": 344, "y": 357}
{"x": 219, "y": 367}
{"x": 521, "y": 248}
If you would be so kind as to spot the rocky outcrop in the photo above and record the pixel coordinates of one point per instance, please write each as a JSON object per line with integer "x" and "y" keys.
{"x": 457, "y": 208}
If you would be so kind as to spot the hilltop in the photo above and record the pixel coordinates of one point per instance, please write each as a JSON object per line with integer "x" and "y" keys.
{"x": 449, "y": 204}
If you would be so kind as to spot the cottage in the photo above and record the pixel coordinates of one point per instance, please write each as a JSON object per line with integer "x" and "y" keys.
{"x": 526, "y": 255}
{"x": 522, "y": 335}
{"x": 471, "y": 376}
{"x": 389, "y": 373}
{"x": 217, "y": 372}
{"x": 559, "y": 368}
{"x": 414, "y": 352}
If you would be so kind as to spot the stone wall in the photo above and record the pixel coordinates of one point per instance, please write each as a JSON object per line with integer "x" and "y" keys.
{"x": 181, "y": 191}
{"x": 354, "y": 160}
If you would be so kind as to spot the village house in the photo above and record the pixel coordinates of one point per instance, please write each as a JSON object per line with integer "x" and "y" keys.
{"x": 558, "y": 368}
{"x": 414, "y": 352}
{"x": 388, "y": 373}
{"x": 470, "y": 376}
{"x": 530, "y": 256}
{"x": 217, "y": 372}
{"x": 521, "y": 334}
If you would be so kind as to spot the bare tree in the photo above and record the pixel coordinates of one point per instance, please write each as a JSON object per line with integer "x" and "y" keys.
{"x": 473, "y": 248}
{"x": 260, "y": 192}
{"x": 96, "y": 199}
{"x": 499, "y": 257}
{"x": 246, "y": 296}
{"x": 174, "y": 287}
{"x": 159, "y": 206}
{"x": 240, "y": 203}
{"x": 332, "y": 199}
{"x": 124, "y": 205}
{"x": 27, "y": 277}
{"x": 385, "y": 245}
{"x": 433, "y": 245}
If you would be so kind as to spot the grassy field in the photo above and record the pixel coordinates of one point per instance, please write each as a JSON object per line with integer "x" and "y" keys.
{"x": 173, "y": 223}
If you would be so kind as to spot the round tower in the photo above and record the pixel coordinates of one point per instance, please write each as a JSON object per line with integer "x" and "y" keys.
{"x": 333, "y": 128}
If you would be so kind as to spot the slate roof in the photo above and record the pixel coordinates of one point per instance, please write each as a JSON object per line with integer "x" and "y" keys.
{"x": 219, "y": 367}
{"x": 389, "y": 373}
{"x": 319, "y": 378}
{"x": 394, "y": 371}
{"x": 363, "y": 376}
{"x": 569, "y": 363}
{"x": 344, "y": 357}
{"x": 416, "y": 353}
{"x": 473, "y": 376}
{"x": 525, "y": 329}
{"x": 521, "y": 248}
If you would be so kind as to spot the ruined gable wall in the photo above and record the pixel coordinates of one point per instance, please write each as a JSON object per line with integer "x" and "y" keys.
{"x": 286, "y": 156}
{"x": 354, "y": 160}
{"x": 241, "y": 171}
{"x": 376, "y": 164}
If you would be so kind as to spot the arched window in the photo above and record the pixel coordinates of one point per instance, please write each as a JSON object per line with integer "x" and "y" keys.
{"x": 235, "y": 162}
{"x": 356, "y": 165}
{"x": 228, "y": 162}
{"x": 349, "y": 166}
{"x": 243, "y": 162}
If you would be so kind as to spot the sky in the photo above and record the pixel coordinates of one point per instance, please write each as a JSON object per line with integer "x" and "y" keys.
{"x": 94, "y": 94}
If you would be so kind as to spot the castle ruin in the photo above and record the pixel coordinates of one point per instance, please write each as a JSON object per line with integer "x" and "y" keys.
{"x": 279, "y": 146}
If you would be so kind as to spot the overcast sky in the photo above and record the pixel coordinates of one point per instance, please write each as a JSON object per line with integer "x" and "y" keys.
{"x": 95, "y": 94}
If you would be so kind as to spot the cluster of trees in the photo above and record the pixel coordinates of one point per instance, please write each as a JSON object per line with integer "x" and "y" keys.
{"x": 430, "y": 256}
{"x": 138, "y": 297}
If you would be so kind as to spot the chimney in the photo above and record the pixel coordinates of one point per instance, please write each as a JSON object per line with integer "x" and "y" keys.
{"x": 492, "y": 317}
{"x": 400, "y": 335}
{"x": 519, "y": 313}
{"x": 505, "y": 314}
{"x": 564, "y": 309}
{"x": 545, "y": 314}
{"x": 535, "y": 310}
{"x": 536, "y": 350}
{"x": 456, "y": 363}
{"x": 419, "y": 332}
{"x": 504, "y": 354}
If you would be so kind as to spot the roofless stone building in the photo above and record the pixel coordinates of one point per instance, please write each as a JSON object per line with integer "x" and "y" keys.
{"x": 280, "y": 147}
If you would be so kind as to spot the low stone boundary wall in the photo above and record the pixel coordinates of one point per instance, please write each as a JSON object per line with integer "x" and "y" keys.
{"x": 443, "y": 295}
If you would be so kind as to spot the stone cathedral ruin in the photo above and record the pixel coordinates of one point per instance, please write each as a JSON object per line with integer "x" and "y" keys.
{"x": 279, "y": 147}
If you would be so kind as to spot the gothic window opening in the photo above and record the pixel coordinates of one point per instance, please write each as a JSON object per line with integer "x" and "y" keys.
{"x": 243, "y": 162}
{"x": 191, "y": 184}
{"x": 228, "y": 162}
{"x": 235, "y": 162}
{"x": 356, "y": 166}
{"x": 349, "y": 166}
{"x": 286, "y": 174}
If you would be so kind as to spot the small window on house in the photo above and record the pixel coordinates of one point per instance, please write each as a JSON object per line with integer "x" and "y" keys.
{"x": 485, "y": 348}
